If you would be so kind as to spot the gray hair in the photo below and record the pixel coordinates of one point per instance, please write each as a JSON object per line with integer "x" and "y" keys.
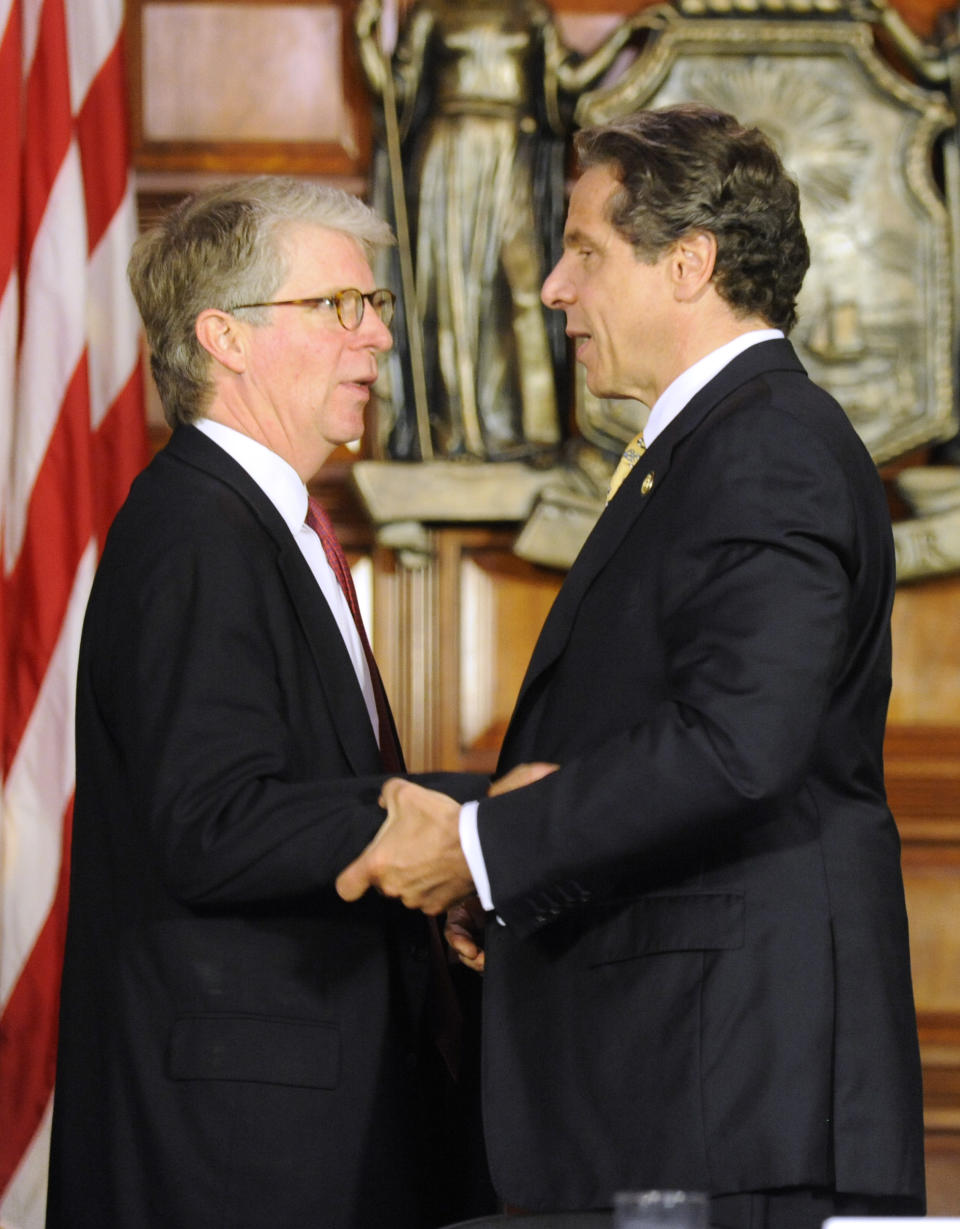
{"x": 220, "y": 248}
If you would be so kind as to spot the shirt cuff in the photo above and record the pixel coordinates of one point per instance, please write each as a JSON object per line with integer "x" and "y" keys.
{"x": 470, "y": 844}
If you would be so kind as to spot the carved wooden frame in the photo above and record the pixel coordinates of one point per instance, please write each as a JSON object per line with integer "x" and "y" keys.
{"x": 346, "y": 157}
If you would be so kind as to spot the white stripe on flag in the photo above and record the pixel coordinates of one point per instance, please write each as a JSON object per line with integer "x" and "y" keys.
{"x": 9, "y": 320}
{"x": 6, "y": 8}
{"x": 37, "y": 790}
{"x": 53, "y": 337}
{"x": 92, "y": 31}
{"x": 112, "y": 331}
{"x": 27, "y": 1191}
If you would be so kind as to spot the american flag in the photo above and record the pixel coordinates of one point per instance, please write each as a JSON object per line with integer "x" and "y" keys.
{"x": 72, "y": 436}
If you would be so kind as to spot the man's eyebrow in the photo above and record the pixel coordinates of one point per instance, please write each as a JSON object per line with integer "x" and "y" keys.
{"x": 572, "y": 238}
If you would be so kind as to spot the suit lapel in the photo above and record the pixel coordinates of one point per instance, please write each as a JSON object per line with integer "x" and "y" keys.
{"x": 335, "y": 672}
{"x": 617, "y": 518}
{"x": 641, "y": 485}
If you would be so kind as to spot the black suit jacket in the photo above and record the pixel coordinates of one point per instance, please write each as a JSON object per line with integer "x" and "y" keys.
{"x": 703, "y": 981}
{"x": 237, "y": 1046}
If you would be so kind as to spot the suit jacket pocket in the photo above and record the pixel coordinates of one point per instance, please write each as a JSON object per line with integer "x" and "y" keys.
{"x": 706, "y": 921}
{"x": 259, "y": 1049}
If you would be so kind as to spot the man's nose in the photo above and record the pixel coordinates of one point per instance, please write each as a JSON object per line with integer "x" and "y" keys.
{"x": 556, "y": 291}
{"x": 373, "y": 332}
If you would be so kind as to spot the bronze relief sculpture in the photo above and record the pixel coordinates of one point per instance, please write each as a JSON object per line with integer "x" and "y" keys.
{"x": 483, "y": 97}
{"x": 483, "y": 94}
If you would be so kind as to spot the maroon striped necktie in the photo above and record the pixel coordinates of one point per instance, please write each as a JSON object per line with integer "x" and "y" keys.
{"x": 322, "y": 526}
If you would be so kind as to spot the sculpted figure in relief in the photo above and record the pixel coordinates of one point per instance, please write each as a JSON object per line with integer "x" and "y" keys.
{"x": 483, "y": 93}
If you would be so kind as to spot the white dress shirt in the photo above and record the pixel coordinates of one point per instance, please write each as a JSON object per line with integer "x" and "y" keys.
{"x": 283, "y": 486}
{"x": 668, "y": 405}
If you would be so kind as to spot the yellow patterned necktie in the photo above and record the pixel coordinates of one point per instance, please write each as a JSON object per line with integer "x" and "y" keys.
{"x": 634, "y": 451}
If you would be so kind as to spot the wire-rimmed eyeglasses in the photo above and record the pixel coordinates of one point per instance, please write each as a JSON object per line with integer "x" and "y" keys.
{"x": 350, "y": 304}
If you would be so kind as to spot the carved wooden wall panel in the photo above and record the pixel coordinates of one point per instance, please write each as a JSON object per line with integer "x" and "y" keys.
{"x": 453, "y": 639}
{"x": 248, "y": 87}
{"x": 923, "y": 786}
{"x": 926, "y": 638}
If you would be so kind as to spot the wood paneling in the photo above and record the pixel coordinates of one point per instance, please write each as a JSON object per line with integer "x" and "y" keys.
{"x": 923, "y": 787}
{"x": 922, "y": 757}
{"x": 246, "y": 87}
{"x": 453, "y": 639}
{"x": 503, "y": 604}
{"x": 943, "y": 1174}
{"x": 296, "y": 92}
{"x": 926, "y": 647}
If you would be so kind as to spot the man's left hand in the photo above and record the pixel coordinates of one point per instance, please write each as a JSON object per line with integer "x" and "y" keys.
{"x": 416, "y": 855}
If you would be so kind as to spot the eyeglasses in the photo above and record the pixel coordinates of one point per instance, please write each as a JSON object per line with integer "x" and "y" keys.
{"x": 349, "y": 303}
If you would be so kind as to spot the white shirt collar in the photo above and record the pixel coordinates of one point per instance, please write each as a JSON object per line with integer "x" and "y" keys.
{"x": 278, "y": 480}
{"x": 683, "y": 389}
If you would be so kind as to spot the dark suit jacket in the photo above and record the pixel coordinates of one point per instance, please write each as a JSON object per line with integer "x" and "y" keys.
{"x": 237, "y": 1047}
{"x": 703, "y": 981}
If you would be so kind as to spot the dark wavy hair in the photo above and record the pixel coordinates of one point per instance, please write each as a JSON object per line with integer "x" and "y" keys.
{"x": 692, "y": 168}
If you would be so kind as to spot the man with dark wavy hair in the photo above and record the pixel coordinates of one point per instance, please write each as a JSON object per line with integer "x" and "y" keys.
{"x": 698, "y": 976}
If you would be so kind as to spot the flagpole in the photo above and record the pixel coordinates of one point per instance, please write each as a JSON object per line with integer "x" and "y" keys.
{"x": 407, "y": 278}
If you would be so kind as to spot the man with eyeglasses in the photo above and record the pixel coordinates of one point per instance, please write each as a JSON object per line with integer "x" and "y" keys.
{"x": 238, "y": 1047}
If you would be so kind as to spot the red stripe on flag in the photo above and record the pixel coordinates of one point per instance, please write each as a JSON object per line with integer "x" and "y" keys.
{"x": 28, "y": 1028}
{"x": 9, "y": 145}
{"x": 101, "y": 128}
{"x": 49, "y": 122}
{"x": 10, "y": 93}
{"x": 58, "y": 530}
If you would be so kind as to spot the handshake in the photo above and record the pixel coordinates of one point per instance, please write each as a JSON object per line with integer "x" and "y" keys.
{"x": 417, "y": 857}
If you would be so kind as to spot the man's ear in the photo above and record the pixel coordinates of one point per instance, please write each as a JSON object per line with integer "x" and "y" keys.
{"x": 219, "y": 334}
{"x": 692, "y": 263}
